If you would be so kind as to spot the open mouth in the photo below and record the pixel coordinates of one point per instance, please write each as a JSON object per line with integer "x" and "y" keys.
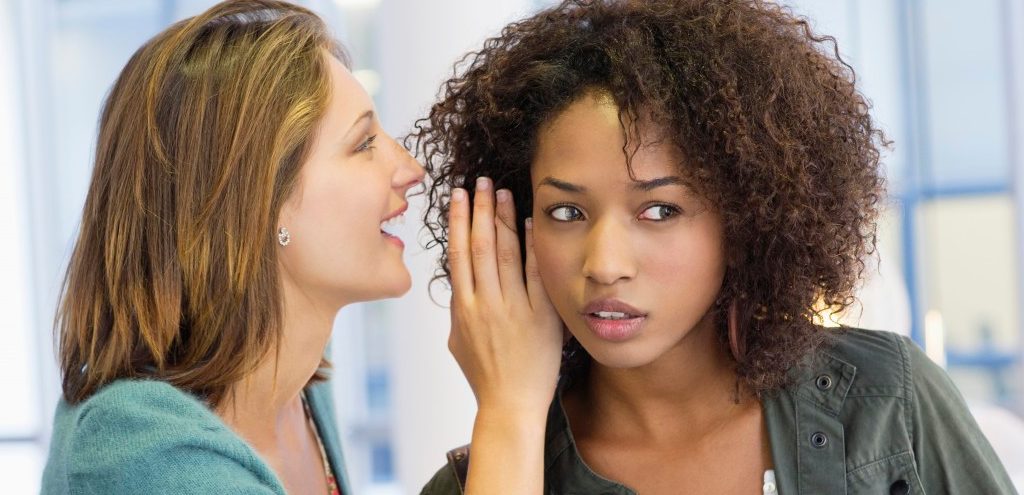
{"x": 613, "y": 315}
{"x": 613, "y": 320}
{"x": 394, "y": 222}
{"x": 391, "y": 226}
{"x": 611, "y": 309}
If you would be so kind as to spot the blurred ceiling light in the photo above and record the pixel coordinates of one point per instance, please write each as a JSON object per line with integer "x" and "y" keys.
{"x": 357, "y": 4}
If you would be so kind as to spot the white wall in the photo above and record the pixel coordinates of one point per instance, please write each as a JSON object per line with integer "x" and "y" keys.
{"x": 418, "y": 42}
{"x": 20, "y": 418}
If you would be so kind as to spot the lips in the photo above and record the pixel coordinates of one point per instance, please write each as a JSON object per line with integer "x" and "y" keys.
{"x": 391, "y": 223}
{"x": 393, "y": 220}
{"x": 613, "y": 320}
{"x": 612, "y": 306}
{"x": 396, "y": 213}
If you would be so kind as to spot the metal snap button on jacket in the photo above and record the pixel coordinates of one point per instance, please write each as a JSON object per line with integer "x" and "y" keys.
{"x": 824, "y": 382}
{"x": 900, "y": 487}
{"x": 819, "y": 440}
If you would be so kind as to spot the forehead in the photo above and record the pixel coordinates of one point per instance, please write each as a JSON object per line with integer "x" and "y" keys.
{"x": 348, "y": 98}
{"x": 586, "y": 141}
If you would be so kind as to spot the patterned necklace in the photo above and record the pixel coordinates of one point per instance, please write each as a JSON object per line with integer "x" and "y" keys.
{"x": 332, "y": 482}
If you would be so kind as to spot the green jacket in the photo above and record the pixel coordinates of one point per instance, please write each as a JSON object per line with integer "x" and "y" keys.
{"x": 871, "y": 414}
{"x": 144, "y": 436}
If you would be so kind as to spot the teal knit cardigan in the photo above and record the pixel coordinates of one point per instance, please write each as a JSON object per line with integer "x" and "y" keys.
{"x": 145, "y": 436}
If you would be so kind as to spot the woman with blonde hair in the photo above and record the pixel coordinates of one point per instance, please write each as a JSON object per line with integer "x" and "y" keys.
{"x": 242, "y": 194}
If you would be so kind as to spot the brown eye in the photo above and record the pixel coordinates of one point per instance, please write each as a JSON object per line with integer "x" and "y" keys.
{"x": 566, "y": 213}
{"x": 659, "y": 212}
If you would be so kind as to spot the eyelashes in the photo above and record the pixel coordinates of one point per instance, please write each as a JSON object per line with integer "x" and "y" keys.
{"x": 366, "y": 145}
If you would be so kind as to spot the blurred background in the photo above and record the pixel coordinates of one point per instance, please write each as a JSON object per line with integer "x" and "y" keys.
{"x": 947, "y": 82}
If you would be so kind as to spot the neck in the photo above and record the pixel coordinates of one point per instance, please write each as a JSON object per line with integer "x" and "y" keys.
{"x": 686, "y": 392}
{"x": 262, "y": 405}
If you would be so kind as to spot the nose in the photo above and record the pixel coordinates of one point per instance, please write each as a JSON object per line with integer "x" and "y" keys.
{"x": 609, "y": 256}
{"x": 408, "y": 171}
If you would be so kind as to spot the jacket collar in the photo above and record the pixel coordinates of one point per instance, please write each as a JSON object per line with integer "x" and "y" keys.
{"x": 564, "y": 469}
{"x": 804, "y": 429}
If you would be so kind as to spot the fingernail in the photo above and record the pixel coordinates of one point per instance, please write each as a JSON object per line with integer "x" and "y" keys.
{"x": 458, "y": 195}
{"x": 483, "y": 183}
{"x": 529, "y": 223}
{"x": 503, "y": 195}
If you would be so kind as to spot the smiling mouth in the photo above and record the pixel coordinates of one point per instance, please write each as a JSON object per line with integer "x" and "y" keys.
{"x": 394, "y": 221}
{"x": 390, "y": 226}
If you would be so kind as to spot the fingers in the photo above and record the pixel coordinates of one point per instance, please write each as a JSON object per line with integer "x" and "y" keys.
{"x": 510, "y": 266}
{"x": 534, "y": 287}
{"x": 482, "y": 240}
{"x": 459, "y": 260}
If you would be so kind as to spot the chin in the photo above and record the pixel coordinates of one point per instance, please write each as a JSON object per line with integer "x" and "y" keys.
{"x": 620, "y": 356}
{"x": 388, "y": 285}
{"x": 402, "y": 288}
{"x": 396, "y": 285}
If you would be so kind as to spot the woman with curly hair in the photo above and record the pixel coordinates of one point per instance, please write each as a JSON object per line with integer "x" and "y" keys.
{"x": 698, "y": 182}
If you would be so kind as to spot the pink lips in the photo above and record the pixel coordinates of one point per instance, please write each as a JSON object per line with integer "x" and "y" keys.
{"x": 405, "y": 206}
{"x": 613, "y": 330}
{"x": 392, "y": 239}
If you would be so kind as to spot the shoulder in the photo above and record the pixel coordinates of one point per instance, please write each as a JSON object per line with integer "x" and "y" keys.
{"x": 899, "y": 401}
{"x": 869, "y": 349}
{"x": 136, "y": 436}
{"x": 146, "y": 401}
{"x": 853, "y": 363}
{"x": 887, "y": 363}
{"x": 136, "y": 415}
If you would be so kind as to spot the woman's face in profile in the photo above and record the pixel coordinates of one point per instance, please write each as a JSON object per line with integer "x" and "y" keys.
{"x": 350, "y": 195}
{"x": 631, "y": 264}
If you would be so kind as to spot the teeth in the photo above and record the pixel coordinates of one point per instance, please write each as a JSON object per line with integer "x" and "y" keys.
{"x": 391, "y": 225}
{"x": 611, "y": 315}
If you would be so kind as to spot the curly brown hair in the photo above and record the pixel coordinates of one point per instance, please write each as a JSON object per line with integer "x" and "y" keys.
{"x": 775, "y": 133}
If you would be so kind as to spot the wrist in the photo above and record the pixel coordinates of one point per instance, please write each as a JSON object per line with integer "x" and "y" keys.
{"x": 522, "y": 418}
{"x": 517, "y": 407}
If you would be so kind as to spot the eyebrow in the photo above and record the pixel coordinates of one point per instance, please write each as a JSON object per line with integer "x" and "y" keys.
{"x": 650, "y": 185}
{"x": 561, "y": 185}
{"x": 366, "y": 115}
{"x": 639, "y": 185}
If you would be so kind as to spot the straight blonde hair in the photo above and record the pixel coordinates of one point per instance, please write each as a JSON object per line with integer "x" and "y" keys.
{"x": 174, "y": 273}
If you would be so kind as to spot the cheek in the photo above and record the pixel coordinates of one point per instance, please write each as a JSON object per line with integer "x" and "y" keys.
{"x": 342, "y": 200}
{"x": 335, "y": 226}
{"x": 327, "y": 205}
{"x": 696, "y": 260}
